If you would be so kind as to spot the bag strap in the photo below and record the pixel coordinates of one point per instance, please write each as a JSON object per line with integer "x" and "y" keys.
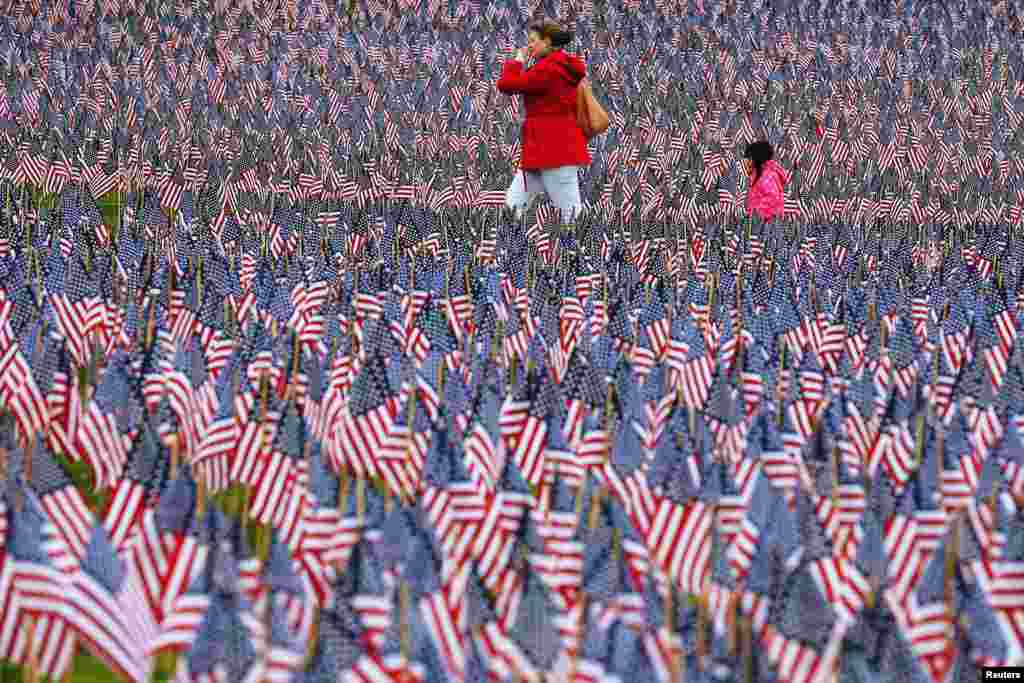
{"x": 571, "y": 74}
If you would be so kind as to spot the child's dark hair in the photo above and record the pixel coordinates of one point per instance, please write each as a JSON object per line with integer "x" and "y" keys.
{"x": 760, "y": 153}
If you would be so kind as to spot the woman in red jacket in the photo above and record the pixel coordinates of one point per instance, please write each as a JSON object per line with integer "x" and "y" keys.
{"x": 553, "y": 144}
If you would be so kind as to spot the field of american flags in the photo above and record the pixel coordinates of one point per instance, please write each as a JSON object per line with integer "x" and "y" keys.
{"x": 285, "y": 395}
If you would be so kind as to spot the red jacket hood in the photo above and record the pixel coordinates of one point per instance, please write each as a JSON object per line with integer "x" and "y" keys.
{"x": 571, "y": 66}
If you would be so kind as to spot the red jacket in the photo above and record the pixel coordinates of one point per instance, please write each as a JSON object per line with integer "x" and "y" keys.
{"x": 551, "y": 136}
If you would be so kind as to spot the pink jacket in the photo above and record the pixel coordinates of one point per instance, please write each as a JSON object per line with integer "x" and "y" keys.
{"x": 766, "y": 196}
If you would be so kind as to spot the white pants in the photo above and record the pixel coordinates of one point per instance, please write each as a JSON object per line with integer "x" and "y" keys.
{"x": 561, "y": 184}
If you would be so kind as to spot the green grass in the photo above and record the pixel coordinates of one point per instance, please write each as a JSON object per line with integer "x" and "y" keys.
{"x": 81, "y": 477}
{"x": 44, "y": 201}
{"x": 84, "y": 669}
{"x": 110, "y": 205}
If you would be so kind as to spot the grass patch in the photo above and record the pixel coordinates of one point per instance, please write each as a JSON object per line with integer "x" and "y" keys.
{"x": 232, "y": 501}
{"x": 9, "y": 672}
{"x": 43, "y": 201}
{"x": 110, "y": 206}
{"x": 81, "y": 476}
{"x": 87, "y": 669}
{"x": 165, "y": 667}
{"x": 84, "y": 669}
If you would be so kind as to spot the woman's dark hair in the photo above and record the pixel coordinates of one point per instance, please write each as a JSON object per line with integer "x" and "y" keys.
{"x": 552, "y": 30}
{"x": 760, "y": 153}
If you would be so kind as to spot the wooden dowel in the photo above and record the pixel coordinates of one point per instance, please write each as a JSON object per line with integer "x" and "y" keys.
{"x": 703, "y": 623}
{"x": 360, "y": 498}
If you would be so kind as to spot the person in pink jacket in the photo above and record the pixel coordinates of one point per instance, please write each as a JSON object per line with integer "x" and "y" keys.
{"x": 767, "y": 180}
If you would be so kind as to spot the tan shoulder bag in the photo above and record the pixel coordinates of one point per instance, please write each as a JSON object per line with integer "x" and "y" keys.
{"x": 590, "y": 115}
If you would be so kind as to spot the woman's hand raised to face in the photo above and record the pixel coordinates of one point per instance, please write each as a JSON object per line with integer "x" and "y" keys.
{"x": 521, "y": 54}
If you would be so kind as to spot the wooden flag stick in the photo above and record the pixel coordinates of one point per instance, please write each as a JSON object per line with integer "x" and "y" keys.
{"x": 951, "y": 558}
{"x": 314, "y": 638}
{"x": 545, "y": 492}
{"x": 19, "y": 499}
{"x": 389, "y": 503}
{"x": 940, "y": 451}
{"x": 175, "y": 454}
{"x": 835, "y": 476}
{"x": 733, "y": 618}
{"x": 344, "y": 484}
{"x": 405, "y": 630}
{"x": 39, "y": 276}
{"x": 919, "y": 438}
{"x": 780, "y": 395}
{"x": 151, "y": 324}
{"x": 172, "y": 281}
{"x": 595, "y": 507}
{"x": 29, "y": 447}
{"x": 264, "y": 397}
{"x": 32, "y": 664}
{"x": 3, "y": 464}
{"x": 748, "y": 649}
{"x": 243, "y": 512}
{"x": 580, "y": 492}
{"x": 703, "y": 623}
{"x": 575, "y": 657}
{"x": 448, "y": 279}
{"x": 293, "y": 385}
{"x": 360, "y": 498}
{"x": 670, "y": 609}
{"x": 595, "y": 501}
{"x": 22, "y": 208}
{"x": 200, "y": 492}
